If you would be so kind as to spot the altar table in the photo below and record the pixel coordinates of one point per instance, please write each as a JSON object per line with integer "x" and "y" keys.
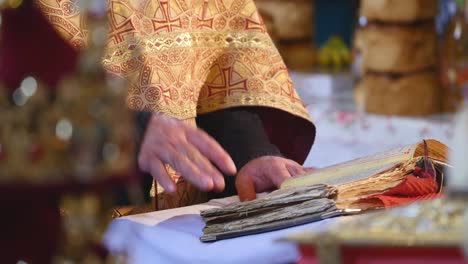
{"x": 343, "y": 133}
{"x": 172, "y": 236}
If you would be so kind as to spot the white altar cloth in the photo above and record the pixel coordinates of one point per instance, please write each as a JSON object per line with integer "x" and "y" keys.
{"x": 172, "y": 236}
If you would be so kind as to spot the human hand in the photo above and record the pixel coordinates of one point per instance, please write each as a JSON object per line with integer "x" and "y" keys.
{"x": 188, "y": 150}
{"x": 263, "y": 174}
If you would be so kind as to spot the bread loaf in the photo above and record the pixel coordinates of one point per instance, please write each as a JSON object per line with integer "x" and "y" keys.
{"x": 398, "y": 49}
{"x": 408, "y": 95}
{"x": 399, "y": 10}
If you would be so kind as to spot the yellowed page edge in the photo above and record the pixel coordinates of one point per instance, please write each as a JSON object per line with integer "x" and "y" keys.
{"x": 354, "y": 169}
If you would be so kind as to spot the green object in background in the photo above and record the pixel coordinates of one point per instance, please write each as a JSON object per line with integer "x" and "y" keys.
{"x": 334, "y": 54}
{"x": 335, "y": 21}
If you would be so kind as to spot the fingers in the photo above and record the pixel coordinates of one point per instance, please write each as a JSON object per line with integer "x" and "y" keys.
{"x": 159, "y": 172}
{"x": 182, "y": 164}
{"x": 152, "y": 165}
{"x": 212, "y": 150}
{"x": 245, "y": 188}
{"x": 265, "y": 173}
{"x": 295, "y": 170}
{"x": 280, "y": 169}
{"x": 279, "y": 173}
{"x": 204, "y": 165}
{"x": 188, "y": 150}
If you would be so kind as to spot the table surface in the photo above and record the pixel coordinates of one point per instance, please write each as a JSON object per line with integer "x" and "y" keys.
{"x": 172, "y": 236}
{"x": 343, "y": 133}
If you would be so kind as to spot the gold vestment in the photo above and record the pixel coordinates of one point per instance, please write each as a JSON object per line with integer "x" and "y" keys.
{"x": 185, "y": 58}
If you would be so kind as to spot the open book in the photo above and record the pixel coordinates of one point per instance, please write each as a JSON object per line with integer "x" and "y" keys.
{"x": 388, "y": 179}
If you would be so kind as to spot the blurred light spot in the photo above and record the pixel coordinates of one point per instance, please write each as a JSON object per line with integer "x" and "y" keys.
{"x": 457, "y": 32}
{"x": 362, "y": 21}
{"x": 99, "y": 36}
{"x": 110, "y": 152}
{"x": 29, "y": 86}
{"x": 19, "y": 98}
{"x": 98, "y": 8}
{"x": 64, "y": 129}
{"x": 14, "y": 3}
{"x": 21, "y": 262}
{"x": 0, "y": 14}
{"x": 117, "y": 85}
{"x": 452, "y": 75}
{"x": 452, "y": 7}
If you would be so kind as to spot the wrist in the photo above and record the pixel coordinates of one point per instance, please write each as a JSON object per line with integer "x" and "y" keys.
{"x": 158, "y": 117}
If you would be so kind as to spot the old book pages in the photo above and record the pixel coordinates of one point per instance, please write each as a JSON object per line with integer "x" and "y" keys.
{"x": 279, "y": 209}
{"x": 364, "y": 167}
{"x": 352, "y": 187}
{"x": 353, "y": 194}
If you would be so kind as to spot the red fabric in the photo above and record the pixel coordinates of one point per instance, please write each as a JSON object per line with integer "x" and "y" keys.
{"x": 307, "y": 255}
{"x": 411, "y": 189}
{"x": 423, "y": 174}
{"x": 291, "y": 134}
{"x": 29, "y": 228}
{"x": 386, "y": 255}
{"x": 402, "y": 255}
{"x": 29, "y": 45}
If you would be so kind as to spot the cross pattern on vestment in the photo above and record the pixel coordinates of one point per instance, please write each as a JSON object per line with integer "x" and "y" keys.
{"x": 203, "y": 21}
{"x": 228, "y": 85}
{"x": 116, "y": 31}
{"x": 255, "y": 25}
{"x": 167, "y": 22}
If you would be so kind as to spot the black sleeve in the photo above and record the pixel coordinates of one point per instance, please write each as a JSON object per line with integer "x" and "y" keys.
{"x": 141, "y": 122}
{"x": 240, "y": 132}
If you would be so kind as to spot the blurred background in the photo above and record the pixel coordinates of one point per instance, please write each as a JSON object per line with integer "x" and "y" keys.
{"x": 374, "y": 74}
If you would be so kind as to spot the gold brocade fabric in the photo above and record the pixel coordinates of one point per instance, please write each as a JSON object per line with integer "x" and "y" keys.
{"x": 187, "y": 57}
{"x": 186, "y": 193}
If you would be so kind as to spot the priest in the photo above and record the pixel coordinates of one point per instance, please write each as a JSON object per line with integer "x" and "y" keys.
{"x": 216, "y": 108}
